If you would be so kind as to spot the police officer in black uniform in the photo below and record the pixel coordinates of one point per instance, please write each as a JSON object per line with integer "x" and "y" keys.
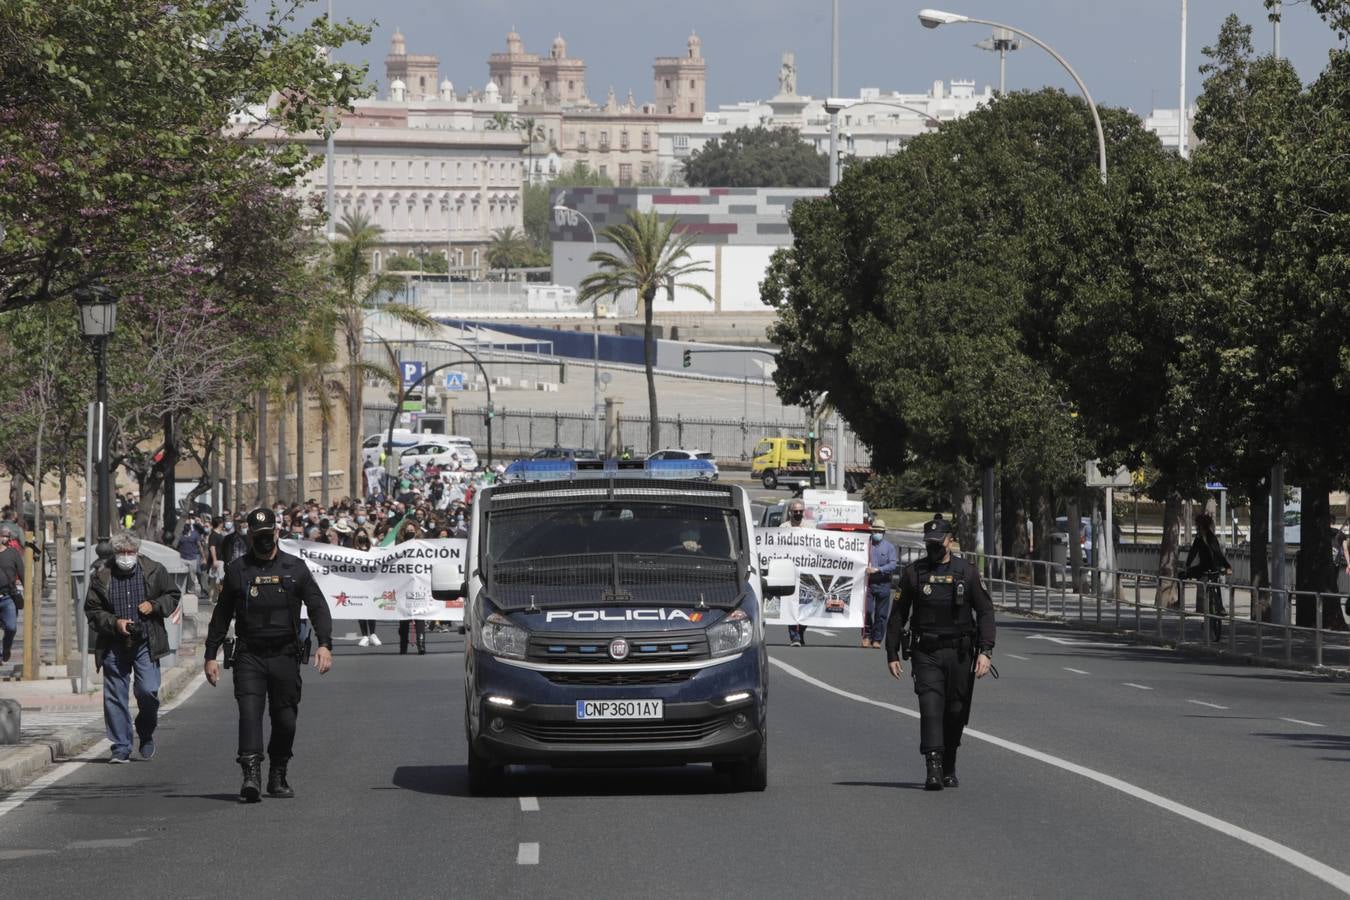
{"x": 944, "y": 619}
{"x": 262, "y": 592}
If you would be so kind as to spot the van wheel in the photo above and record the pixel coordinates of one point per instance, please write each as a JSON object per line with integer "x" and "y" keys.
{"x": 752, "y": 773}
{"x": 770, "y": 481}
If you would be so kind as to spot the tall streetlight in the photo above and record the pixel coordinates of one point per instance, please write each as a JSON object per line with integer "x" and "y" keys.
{"x": 1001, "y": 43}
{"x": 569, "y": 216}
{"x": 98, "y": 316}
{"x": 834, "y": 92}
{"x": 932, "y": 18}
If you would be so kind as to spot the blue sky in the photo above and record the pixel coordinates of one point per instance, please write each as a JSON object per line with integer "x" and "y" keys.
{"x": 1127, "y": 51}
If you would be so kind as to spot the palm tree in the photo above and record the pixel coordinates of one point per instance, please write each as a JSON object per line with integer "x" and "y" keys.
{"x": 508, "y": 249}
{"x": 651, "y": 256}
{"x": 500, "y": 121}
{"x": 358, "y": 293}
{"x": 531, "y": 130}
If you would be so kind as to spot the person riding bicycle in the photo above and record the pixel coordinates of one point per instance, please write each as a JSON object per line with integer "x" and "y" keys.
{"x": 1206, "y": 560}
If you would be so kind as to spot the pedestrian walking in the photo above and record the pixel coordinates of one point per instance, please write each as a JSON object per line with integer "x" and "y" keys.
{"x": 11, "y": 594}
{"x": 262, "y": 594}
{"x": 409, "y": 532}
{"x": 882, "y": 561}
{"x": 128, "y": 600}
{"x": 943, "y": 620}
{"x": 361, "y": 541}
{"x": 795, "y": 517}
{"x": 189, "y": 546}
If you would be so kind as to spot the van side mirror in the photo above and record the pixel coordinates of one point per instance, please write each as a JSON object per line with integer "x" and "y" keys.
{"x": 447, "y": 581}
{"x": 781, "y": 579}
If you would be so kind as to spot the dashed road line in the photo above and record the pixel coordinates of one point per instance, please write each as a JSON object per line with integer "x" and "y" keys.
{"x": 1301, "y": 722}
{"x": 529, "y": 804}
{"x": 1076, "y": 671}
{"x": 1301, "y": 861}
{"x": 527, "y": 855}
{"x": 1140, "y": 687}
{"x": 1203, "y": 703}
{"x": 1015, "y": 656}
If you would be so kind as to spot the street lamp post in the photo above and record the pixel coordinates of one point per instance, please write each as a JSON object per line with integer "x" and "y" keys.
{"x": 835, "y": 105}
{"x": 569, "y": 215}
{"x": 933, "y": 18}
{"x": 98, "y": 316}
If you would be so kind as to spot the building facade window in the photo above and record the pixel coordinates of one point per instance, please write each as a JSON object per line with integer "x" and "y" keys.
{"x": 691, "y": 84}
{"x": 647, "y": 172}
{"x": 681, "y": 142}
{"x": 625, "y": 174}
{"x": 646, "y": 140}
{"x": 604, "y": 140}
{"x": 604, "y": 171}
{"x": 691, "y": 107}
{"x": 581, "y": 139}
{"x": 623, "y": 140}
{"x": 667, "y": 84}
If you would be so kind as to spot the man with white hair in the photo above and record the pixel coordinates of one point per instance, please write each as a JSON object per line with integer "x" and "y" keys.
{"x": 129, "y": 598}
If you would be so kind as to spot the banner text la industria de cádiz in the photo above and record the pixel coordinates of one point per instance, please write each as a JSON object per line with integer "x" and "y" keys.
{"x": 831, "y": 576}
{"x": 387, "y": 583}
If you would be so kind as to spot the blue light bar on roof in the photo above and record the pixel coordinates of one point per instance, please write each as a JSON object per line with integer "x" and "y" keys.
{"x": 570, "y": 470}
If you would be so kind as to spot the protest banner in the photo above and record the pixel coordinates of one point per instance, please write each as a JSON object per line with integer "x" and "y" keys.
{"x": 385, "y": 584}
{"x": 823, "y": 507}
{"x": 831, "y": 576}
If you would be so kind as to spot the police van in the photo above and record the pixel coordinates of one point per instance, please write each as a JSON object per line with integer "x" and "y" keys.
{"x": 613, "y": 618}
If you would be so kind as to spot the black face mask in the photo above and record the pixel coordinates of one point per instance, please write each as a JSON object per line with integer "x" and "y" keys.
{"x": 936, "y": 550}
{"x": 264, "y": 542}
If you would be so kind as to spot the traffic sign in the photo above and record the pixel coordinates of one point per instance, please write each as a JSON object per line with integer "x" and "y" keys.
{"x": 454, "y": 381}
{"x": 1097, "y": 478}
{"x": 824, "y": 453}
{"x": 413, "y": 370}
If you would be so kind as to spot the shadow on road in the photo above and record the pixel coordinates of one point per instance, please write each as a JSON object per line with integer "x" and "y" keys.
{"x": 1335, "y": 743}
{"x": 224, "y": 798}
{"x": 903, "y": 785}
{"x": 536, "y": 781}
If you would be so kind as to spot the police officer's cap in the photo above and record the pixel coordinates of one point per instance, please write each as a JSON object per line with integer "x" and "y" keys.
{"x": 936, "y": 530}
{"x": 262, "y": 519}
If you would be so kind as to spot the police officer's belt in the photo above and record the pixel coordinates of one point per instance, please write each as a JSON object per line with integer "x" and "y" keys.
{"x": 269, "y": 647}
{"x": 930, "y": 642}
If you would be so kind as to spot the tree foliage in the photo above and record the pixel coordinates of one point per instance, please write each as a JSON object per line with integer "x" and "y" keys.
{"x": 757, "y": 157}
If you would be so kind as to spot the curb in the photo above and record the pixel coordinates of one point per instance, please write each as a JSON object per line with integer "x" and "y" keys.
{"x": 20, "y": 765}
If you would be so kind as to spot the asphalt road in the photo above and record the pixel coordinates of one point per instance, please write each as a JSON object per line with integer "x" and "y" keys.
{"x": 383, "y": 805}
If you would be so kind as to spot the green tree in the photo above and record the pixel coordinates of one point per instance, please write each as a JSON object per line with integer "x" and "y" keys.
{"x": 650, "y": 256}
{"x": 539, "y": 198}
{"x": 500, "y": 121}
{"x": 758, "y": 157}
{"x": 509, "y": 249}
{"x": 360, "y": 293}
{"x": 532, "y": 132}
{"x": 114, "y": 114}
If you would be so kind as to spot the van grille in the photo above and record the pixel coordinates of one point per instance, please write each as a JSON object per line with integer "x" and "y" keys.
{"x": 657, "y": 647}
{"x": 619, "y": 679}
{"x": 620, "y": 732}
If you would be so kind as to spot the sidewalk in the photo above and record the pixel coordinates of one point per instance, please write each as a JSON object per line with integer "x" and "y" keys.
{"x": 57, "y": 724}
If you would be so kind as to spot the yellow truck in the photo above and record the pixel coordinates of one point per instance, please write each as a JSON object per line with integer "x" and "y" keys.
{"x": 784, "y": 462}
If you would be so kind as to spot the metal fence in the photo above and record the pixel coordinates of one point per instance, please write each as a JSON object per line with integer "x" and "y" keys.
{"x": 1172, "y": 611}
{"x": 516, "y": 432}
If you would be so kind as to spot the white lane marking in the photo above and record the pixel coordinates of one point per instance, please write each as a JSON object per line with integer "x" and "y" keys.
{"x": 1076, "y": 671}
{"x": 529, "y": 804}
{"x": 1301, "y": 722}
{"x": 527, "y": 855}
{"x": 35, "y": 787}
{"x": 1203, "y": 703}
{"x": 1141, "y": 687}
{"x": 1070, "y": 642}
{"x": 824, "y": 631}
{"x": 1320, "y": 870}
{"x": 1022, "y": 658}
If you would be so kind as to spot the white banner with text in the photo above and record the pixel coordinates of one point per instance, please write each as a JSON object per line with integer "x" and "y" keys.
{"x": 831, "y": 576}
{"x": 387, "y": 583}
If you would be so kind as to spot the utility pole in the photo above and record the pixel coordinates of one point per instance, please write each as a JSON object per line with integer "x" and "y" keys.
{"x": 1275, "y": 16}
{"x": 330, "y": 201}
{"x": 834, "y": 92}
{"x": 1181, "y": 110}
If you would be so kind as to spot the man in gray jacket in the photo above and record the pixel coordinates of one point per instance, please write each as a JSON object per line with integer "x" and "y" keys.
{"x": 129, "y": 598}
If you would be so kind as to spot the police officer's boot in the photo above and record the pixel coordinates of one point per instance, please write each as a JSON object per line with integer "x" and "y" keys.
{"x": 949, "y": 769}
{"x": 276, "y": 780}
{"x": 933, "y": 761}
{"x": 251, "y": 790}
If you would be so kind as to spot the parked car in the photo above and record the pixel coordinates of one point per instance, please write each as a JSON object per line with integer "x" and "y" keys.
{"x": 441, "y": 450}
{"x": 402, "y": 440}
{"x": 675, "y": 453}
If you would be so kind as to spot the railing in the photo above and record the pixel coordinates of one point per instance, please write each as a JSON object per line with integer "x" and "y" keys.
{"x": 1171, "y": 611}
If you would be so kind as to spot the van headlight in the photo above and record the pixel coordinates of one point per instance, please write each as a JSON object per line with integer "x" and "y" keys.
{"x": 731, "y": 634}
{"x": 500, "y": 637}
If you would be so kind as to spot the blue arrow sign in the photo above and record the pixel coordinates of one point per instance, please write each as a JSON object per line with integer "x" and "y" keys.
{"x": 413, "y": 371}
